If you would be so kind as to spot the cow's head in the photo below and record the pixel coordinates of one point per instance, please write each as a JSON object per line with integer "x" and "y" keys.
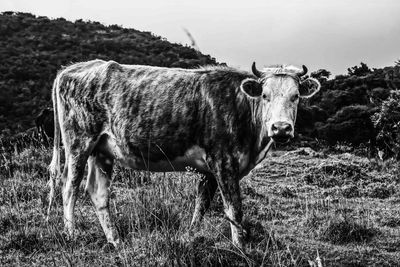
{"x": 279, "y": 90}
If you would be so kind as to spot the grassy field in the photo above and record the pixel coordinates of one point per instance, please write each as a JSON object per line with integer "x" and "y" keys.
{"x": 301, "y": 208}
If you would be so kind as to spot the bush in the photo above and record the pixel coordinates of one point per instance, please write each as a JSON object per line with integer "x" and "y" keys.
{"x": 378, "y": 94}
{"x": 351, "y": 124}
{"x": 379, "y": 190}
{"x": 361, "y": 70}
{"x": 387, "y": 123}
{"x": 343, "y": 231}
{"x": 350, "y": 191}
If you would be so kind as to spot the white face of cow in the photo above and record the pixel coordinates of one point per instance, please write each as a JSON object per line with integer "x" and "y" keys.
{"x": 279, "y": 91}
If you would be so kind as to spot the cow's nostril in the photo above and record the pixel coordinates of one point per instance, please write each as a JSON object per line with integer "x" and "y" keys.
{"x": 287, "y": 128}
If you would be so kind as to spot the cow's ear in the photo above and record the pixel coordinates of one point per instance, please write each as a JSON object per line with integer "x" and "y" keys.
{"x": 251, "y": 87}
{"x": 309, "y": 87}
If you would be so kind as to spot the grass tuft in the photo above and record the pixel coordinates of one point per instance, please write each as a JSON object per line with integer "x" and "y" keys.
{"x": 380, "y": 190}
{"x": 350, "y": 191}
{"x": 342, "y": 231}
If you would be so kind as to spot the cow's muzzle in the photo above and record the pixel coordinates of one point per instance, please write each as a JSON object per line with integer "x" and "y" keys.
{"x": 281, "y": 132}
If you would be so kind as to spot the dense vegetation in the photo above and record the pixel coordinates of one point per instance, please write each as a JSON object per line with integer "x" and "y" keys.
{"x": 347, "y": 102}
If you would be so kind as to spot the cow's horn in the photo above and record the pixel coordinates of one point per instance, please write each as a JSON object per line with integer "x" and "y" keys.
{"x": 255, "y": 70}
{"x": 304, "y": 72}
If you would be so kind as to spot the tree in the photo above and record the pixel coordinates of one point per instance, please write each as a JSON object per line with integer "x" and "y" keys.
{"x": 321, "y": 74}
{"x": 350, "y": 124}
{"x": 361, "y": 70}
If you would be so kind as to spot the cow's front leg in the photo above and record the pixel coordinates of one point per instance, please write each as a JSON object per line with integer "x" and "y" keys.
{"x": 205, "y": 193}
{"x": 230, "y": 192}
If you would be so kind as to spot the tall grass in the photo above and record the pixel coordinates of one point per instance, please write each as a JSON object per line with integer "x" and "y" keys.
{"x": 152, "y": 212}
{"x": 299, "y": 210}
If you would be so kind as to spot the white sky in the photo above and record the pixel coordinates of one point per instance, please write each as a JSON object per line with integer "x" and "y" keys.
{"x": 334, "y": 34}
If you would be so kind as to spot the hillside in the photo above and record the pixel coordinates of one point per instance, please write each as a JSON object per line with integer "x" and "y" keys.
{"x": 32, "y": 49}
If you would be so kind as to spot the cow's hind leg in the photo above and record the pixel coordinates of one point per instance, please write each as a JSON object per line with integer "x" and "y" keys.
{"x": 75, "y": 169}
{"x": 205, "y": 193}
{"x": 77, "y": 151}
{"x": 98, "y": 183}
{"x": 233, "y": 209}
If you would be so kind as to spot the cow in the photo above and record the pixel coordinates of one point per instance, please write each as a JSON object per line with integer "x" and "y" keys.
{"x": 215, "y": 119}
{"x": 45, "y": 125}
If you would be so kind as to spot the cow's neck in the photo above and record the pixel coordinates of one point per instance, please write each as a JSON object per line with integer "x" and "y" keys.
{"x": 261, "y": 142}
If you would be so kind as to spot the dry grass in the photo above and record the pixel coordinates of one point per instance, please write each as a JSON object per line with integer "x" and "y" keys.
{"x": 300, "y": 210}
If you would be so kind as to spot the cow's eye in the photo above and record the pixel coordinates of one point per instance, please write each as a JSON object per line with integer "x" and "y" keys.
{"x": 295, "y": 97}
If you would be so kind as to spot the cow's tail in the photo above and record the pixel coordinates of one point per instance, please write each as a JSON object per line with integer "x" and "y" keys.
{"x": 54, "y": 167}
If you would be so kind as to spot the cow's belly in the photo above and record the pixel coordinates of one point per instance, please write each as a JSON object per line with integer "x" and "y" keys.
{"x": 194, "y": 157}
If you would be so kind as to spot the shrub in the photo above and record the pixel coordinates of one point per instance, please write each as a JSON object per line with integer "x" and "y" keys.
{"x": 378, "y": 94}
{"x": 350, "y": 191}
{"x": 380, "y": 190}
{"x": 390, "y": 222}
{"x": 361, "y": 70}
{"x": 345, "y": 230}
{"x": 351, "y": 124}
{"x": 387, "y": 123}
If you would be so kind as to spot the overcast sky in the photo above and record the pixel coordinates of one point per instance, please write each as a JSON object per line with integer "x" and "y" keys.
{"x": 333, "y": 35}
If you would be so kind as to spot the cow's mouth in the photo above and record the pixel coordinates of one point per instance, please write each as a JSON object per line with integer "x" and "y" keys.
{"x": 281, "y": 139}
